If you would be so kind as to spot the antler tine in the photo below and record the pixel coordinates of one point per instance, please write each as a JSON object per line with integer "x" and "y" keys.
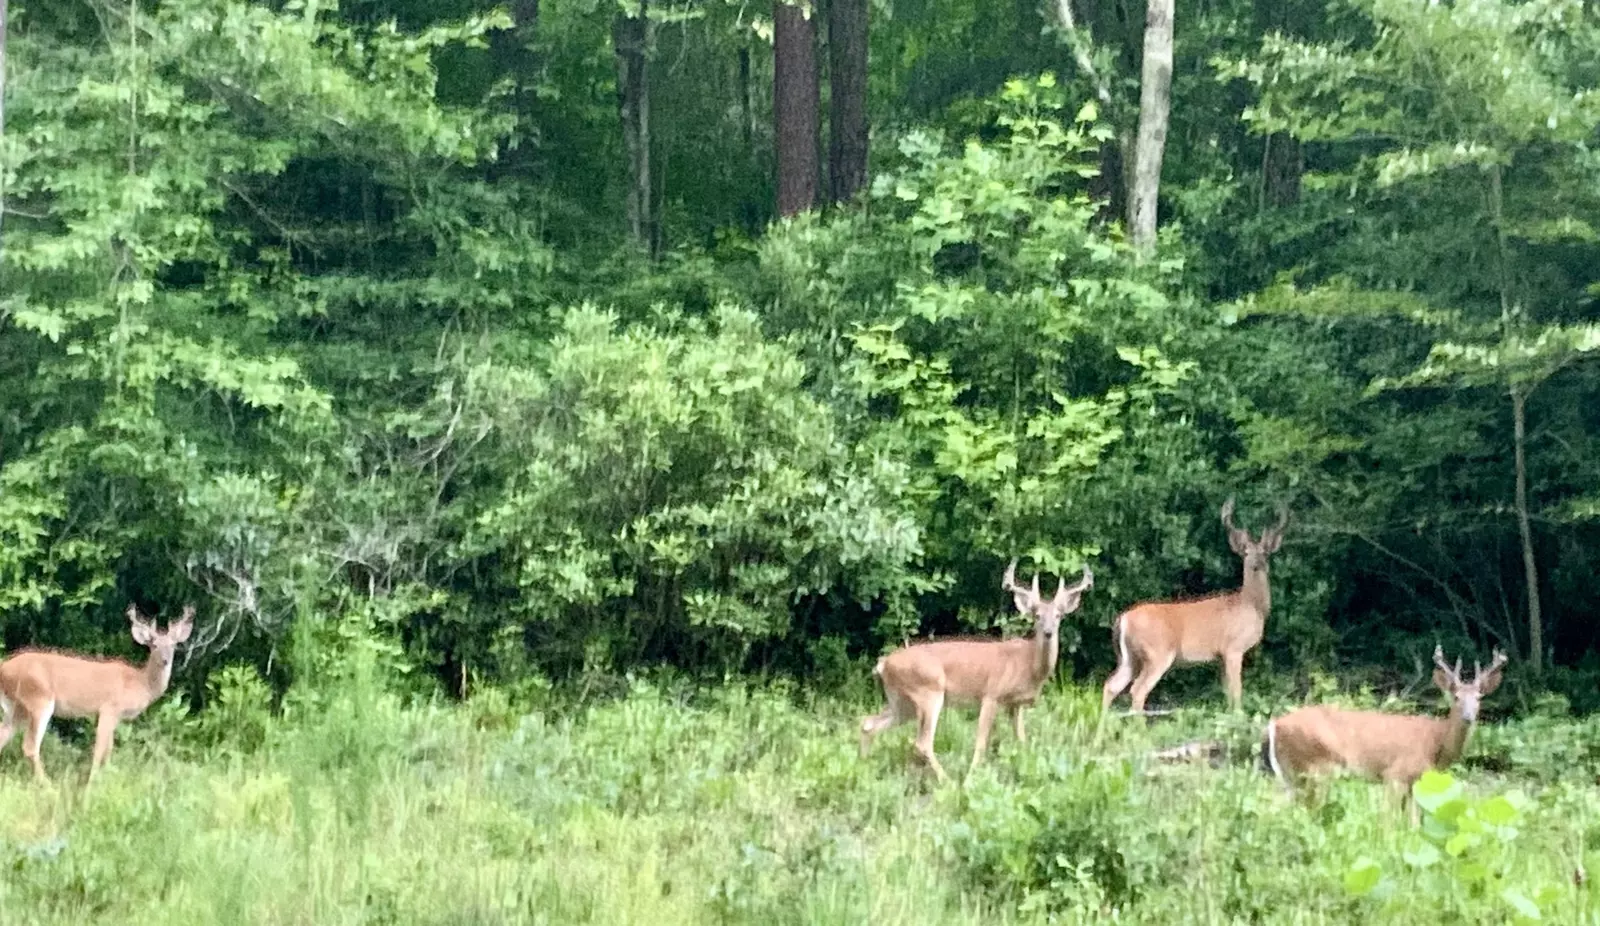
{"x": 1227, "y": 515}
{"x": 1438, "y": 660}
{"x": 1494, "y": 664}
{"x": 133, "y": 614}
{"x": 1009, "y": 580}
{"x": 188, "y": 613}
{"x": 1283, "y": 521}
{"x": 1035, "y": 588}
{"x": 1087, "y": 582}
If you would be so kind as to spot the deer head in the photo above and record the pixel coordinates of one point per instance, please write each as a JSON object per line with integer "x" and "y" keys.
{"x": 1047, "y": 613}
{"x": 162, "y": 644}
{"x": 1465, "y": 695}
{"x": 1252, "y": 550}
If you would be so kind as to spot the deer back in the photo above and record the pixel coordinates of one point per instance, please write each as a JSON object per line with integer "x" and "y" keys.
{"x": 1387, "y": 746}
{"x": 1198, "y": 630}
{"x": 966, "y": 670}
{"x": 78, "y": 686}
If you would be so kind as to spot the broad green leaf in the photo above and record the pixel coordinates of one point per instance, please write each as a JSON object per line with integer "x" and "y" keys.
{"x": 1362, "y": 877}
{"x": 1525, "y": 908}
{"x": 1434, "y": 789}
{"x": 1498, "y": 811}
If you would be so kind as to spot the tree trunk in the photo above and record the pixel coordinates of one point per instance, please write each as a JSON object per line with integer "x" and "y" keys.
{"x": 1530, "y": 566}
{"x": 847, "y": 76}
{"x": 631, "y": 37}
{"x": 1112, "y": 187}
{"x": 753, "y": 206}
{"x": 794, "y": 105}
{"x": 747, "y": 115}
{"x": 1155, "y": 104}
{"x": 1519, "y": 433}
{"x": 1282, "y": 166}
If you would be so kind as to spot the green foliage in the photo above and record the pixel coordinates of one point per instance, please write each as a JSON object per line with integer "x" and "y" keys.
{"x": 286, "y": 323}
{"x": 980, "y": 325}
{"x": 238, "y": 710}
{"x": 748, "y": 804}
{"x": 669, "y": 489}
{"x": 1465, "y": 858}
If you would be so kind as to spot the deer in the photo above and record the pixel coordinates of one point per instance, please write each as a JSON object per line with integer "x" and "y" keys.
{"x": 920, "y": 678}
{"x": 1394, "y": 748}
{"x": 1225, "y": 626}
{"x": 36, "y": 685}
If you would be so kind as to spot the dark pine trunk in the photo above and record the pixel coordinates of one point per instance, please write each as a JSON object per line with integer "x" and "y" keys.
{"x": 630, "y": 37}
{"x": 847, "y": 69}
{"x": 795, "y": 104}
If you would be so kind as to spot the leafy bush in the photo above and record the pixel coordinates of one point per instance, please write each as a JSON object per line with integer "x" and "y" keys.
{"x": 1465, "y": 858}
{"x": 669, "y": 492}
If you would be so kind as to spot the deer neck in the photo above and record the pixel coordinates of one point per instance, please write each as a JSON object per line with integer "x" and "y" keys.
{"x": 156, "y": 676}
{"x": 1256, "y": 592}
{"x": 1046, "y": 650}
{"x": 1454, "y": 732}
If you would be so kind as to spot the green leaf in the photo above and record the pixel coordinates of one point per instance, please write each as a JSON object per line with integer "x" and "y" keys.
{"x": 1460, "y": 843}
{"x": 1525, "y": 908}
{"x": 1498, "y": 811}
{"x": 1424, "y": 856}
{"x": 1362, "y": 877}
{"x": 1434, "y": 789}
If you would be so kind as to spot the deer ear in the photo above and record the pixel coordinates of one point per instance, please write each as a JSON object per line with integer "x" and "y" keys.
{"x": 1239, "y": 541}
{"x": 1271, "y": 542}
{"x": 179, "y": 631}
{"x": 1023, "y": 599}
{"x": 1442, "y": 679}
{"x": 143, "y": 634}
{"x": 1490, "y": 683}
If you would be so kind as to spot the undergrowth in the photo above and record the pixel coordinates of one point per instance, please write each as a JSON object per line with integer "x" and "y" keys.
{"x": 747, "y": 803}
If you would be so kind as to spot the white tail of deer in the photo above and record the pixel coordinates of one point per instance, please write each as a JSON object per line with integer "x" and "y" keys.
{"x": 1394, "y": 748}
{"x": 1151, "y": 636}
{"x": 919, "y": 679}
{"x": 36, "y": 685}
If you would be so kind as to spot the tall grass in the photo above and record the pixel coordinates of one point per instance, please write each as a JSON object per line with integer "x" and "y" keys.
{"x": 740, "y": 804}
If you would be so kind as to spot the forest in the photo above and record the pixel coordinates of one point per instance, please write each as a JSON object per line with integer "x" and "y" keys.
{"x": 552, "y": 410}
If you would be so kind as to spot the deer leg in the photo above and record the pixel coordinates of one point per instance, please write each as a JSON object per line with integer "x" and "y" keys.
{"x": 8, "y": 726}
{"x": 1232, "y": 679}
{"x": 1016, "y": 723}
{"x": 1153, "y": 670}
{"x": 986, "y": 712}
{"x": 104, "y": 733}
{"x": 1118, "y": 682}
{"x": 927, "y": 724}
{"x": 895, "y": 712}
{"x": 38, "y": 722}
{"x": 1400, "y": 792}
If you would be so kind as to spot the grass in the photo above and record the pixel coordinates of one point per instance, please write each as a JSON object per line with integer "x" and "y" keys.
{"x": 748, "y": 804}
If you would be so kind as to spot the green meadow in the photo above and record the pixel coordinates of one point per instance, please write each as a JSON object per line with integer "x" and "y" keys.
{"x": 667, "y": 803}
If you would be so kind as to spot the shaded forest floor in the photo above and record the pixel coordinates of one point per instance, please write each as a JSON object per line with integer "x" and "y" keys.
{"x": 748, "y": 804}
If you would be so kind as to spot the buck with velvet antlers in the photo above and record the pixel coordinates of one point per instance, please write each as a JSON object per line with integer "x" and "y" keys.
{"x": 1395, "y": 748}
{"x": 36, "y": 685}
{"x": 1151, "y": 636}
{"x": 919, "y": 679}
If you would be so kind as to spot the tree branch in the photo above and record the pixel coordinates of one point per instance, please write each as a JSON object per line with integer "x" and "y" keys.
{"x": 1081, "y": 43}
